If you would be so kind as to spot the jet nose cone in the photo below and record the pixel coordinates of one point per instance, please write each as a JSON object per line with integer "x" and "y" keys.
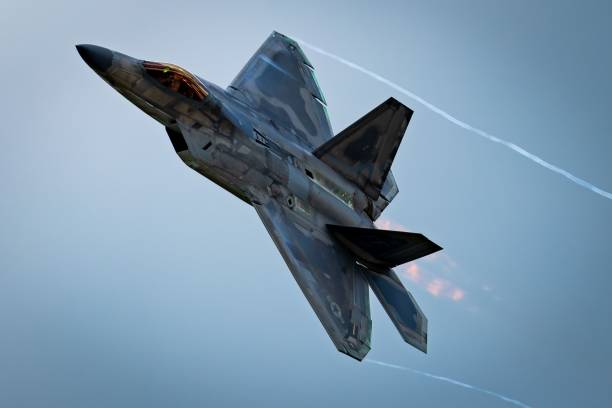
{"x": 98, "y": 58}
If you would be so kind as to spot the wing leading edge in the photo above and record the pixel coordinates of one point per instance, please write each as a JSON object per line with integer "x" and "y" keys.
{"x": 334, "y": 284}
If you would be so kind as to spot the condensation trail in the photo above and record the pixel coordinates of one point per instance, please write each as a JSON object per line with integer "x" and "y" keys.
{"x": 460, "y": 123}
{"x": 450, "y": 381}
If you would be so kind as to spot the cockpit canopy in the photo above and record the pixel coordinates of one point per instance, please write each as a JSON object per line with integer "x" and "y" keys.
{"x": 177, "y": 79}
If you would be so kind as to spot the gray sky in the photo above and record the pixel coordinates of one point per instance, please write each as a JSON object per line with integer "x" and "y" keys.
{"x": 127, "y": 280}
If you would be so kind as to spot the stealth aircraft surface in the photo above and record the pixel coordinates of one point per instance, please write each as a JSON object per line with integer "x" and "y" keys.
{"x": 267, "y": 139}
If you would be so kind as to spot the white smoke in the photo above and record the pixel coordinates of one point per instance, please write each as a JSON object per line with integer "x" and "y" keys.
{"x": 460, "y": 123}
{"x": 450, "y": 381}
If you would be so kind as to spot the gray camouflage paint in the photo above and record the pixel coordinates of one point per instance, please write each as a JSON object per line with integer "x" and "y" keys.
{"x": 256, "y": 140}
{"x": 358, "y": 148}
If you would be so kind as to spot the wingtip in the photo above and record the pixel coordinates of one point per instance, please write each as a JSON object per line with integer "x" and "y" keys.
{"x": 358, "y": 355}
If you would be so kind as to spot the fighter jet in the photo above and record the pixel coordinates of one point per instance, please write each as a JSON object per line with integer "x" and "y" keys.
{"x": 267, "y": 139}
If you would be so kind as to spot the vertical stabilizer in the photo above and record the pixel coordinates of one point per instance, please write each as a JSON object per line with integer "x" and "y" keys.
{"x": 401, "y": 307}
{"x": 363, "y": 152}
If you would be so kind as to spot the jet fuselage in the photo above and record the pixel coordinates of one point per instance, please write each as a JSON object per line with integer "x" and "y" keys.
{"x": 267, "y": 140}
{"x": 226, "y": 141}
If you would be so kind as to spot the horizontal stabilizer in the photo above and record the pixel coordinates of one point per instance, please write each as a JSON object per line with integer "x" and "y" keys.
{"x": 380, "y": 248}
{"x": 401, "y": 307}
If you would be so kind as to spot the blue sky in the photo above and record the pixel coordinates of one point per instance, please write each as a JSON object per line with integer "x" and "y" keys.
{"x": 127, "y": 280}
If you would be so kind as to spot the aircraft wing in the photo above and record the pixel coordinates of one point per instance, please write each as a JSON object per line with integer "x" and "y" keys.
{"x": 334, "y": 284}
{"x": 279, "y": 82}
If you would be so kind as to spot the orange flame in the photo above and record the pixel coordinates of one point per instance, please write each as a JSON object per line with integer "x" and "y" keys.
{"x": 428, "y": 278}
{"x": 436, "y": 286}
{"x": 457, "y": 294}
{"x": 413, "y": 272}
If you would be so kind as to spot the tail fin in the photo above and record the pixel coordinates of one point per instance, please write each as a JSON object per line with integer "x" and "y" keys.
{"x": 387, "y": 194}
{"x": 378, "y": 251}
{"x": 401, "y": 307}
{"x": 383, "y": 249}
{"x": 363, "y": 152}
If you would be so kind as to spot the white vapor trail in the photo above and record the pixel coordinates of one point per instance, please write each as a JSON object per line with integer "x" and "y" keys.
{"x": 460, "y": 123}
{"x": 450, "y": 381}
